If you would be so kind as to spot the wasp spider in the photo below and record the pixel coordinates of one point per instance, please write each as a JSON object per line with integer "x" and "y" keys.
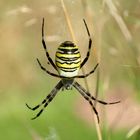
{"x": 67, "y": 64}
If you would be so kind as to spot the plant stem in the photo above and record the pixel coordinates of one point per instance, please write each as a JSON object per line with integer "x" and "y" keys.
{"x": 86, "y": 83}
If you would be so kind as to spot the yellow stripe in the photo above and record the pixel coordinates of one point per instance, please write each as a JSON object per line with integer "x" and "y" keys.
{"x": 68, "y": 47}
{"x": 70, "y": 66}
{"x": 67, "y": 55}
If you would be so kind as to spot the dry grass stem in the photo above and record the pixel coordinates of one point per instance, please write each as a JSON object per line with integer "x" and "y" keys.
{"x": 119, "y": 20}
{"x": 68, "y": 21}
{"x": 86, "y": 83}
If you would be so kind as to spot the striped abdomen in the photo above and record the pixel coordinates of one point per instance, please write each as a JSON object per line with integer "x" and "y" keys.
{"x": 68, "y": 59}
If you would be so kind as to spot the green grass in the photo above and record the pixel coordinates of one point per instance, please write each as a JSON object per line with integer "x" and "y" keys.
{"x": 16, "y": 124}
{"x": 21, "y": 79}
{"x": 57, "y": 121}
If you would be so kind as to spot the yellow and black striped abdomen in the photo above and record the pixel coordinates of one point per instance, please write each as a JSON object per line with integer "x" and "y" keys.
{"x": 68, "y": 59}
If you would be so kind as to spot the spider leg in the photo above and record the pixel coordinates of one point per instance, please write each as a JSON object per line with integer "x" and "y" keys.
{"x": 48, "y": 72}
{"x": 80, "y": 88}
{"x": 89, "y": 45}
{"x": 100, "y": 101}
{"x": 75, "y": 84}
{"x": 45, "y": 105}
{"x": 86, "y": 75}
{"x": 48, "y": 99}
{"x": 45, "y": 48}
{"x": 44, "y": 101}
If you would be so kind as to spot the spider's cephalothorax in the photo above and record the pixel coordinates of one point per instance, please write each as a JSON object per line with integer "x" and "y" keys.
{"x": 67, "y": 64}
{"x": 67, "y": 83}
{"x": 68, "y": 59}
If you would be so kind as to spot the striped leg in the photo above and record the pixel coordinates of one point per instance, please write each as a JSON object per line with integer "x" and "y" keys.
{"x": 47, "y": 100}
{"x": 89, "y": 45}
{"x": 48, "y": 72}
{"x": 45, "y": 105}
{"x": 44, "y": 101}
{"x": 76, "y": 85}
{"x": 81, "y": 89}
{"x": 83, "y": 76}
{"x": 45, "y": 48}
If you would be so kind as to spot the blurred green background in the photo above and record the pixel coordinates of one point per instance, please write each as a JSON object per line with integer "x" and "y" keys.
{"x": 115, "y": 30}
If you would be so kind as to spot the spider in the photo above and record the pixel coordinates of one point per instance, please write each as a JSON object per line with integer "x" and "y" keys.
{"x": 67, "y": 64}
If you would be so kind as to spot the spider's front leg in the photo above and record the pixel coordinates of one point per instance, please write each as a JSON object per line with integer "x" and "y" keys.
{"x": 75, "y": 84}
{"x": 47, "y": 100}
{"x": 81, "y": 89}
{"x": 89, "y": 97}
{"x": 48, "y": 97}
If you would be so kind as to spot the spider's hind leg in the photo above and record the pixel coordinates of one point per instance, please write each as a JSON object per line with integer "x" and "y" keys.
{"x": 45, "y": 47}
{"x": 48, "y": 72}
{"x": 89, "y": 45}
